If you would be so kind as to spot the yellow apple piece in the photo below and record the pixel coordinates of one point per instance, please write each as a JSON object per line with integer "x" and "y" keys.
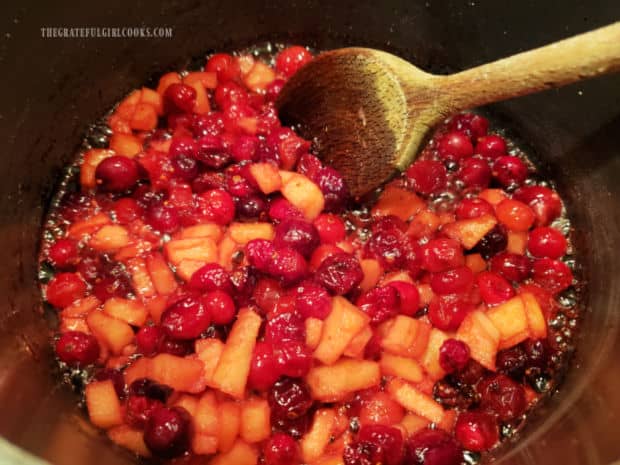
{"x": 372, "y": 273}
{"x": 475, "y": 262}
{"x": 412, "y": 423}
{"x": 229, "y": 424}
{"x": 140, "y": 278}
{"x": 89, "y": 164}
{"x": 511, "y": 320}
{"x": 415, "y": 401}
{"x": 259, "y": 77}
{"x": 314, "y": 329}
{"x": 129, "y": 311}
{"x": 112, "y": 333}
{"x": 109, "y": 238}
{"x": 330, "y": 383}
{"x": 241, "y": 453}
{"x": 398, "y": 202}
{"x": 517, "y": 242}
{"x": 200, "y": 249}
{"x": 205, "y": 422}
{"x": 315, "y": 441}
{"x": 129, "y": 438}
{"x": 104, "y": 408}
{"x": 162, "y": 276}
{"x": 402, "y": 367}
{"x": 535, "y": 317}
{"x": 81, "y": 307}
{"x": 305, "y": 195}
{"x": 430, "y": 357}
{"x": 401, "y": 333}
{"x": 242, "y": 233}
{"x": 267, "y": 176}
{"x": 88, "y": 226}
{"x": 356, "y": 347}
{"x": 469, "y": 231}
{"x": 209, "y": 352}
{"x": 482, "y": 337}
{"x": 255, "y": 425}
{"x": 210, "y": 230}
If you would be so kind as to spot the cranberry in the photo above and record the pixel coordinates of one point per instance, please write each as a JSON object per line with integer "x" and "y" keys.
{"x": 491, "y": 146}
{"x": 298, "y": 235}
{"x": 267, "y": 293}
{"x": 126, "y": 210}
{"x": 380, "y": 303}
{"x": 186, "y": 318}
{"x": 210, "y": 151}
{"x": 408, "y": 296}
{"x": 447, "y": 313}
{"x": 211, "y": 277}
{"x": 281, "y": 449}
{"x": 117, "y": 173}
{"x": 151, "y": 389}
{"x": 511, "y": 266}
{"x": 281, "y": 209}
{"x": 473, "y": 208}
{"x": 340, "y": 273}
{"x": 389, "y": 246}
{"x": 535, "y": 351}
{"x": 117, "y": 378}
{"x": 225, "y": 66}
{"x": 553, "y": 275}
{"x": 474, "y": 172}
{"x": 494, "y": 289}
{"x": 184, "y": 167}
{"x": 148, "y": 339}
{"x": 451, "y": 395}
{"x": 179, "y": 98}
{"x": 182, "y": 146}
{"x": 442, "y": 254}
{"x": 212, "y": 123}
{"x": 334, "y": 189}
{"x": 274, "y": 89}
{"x": 544, "y": 202}
{"x": 77, "y": 349}
{"x": 285, "y": 327}
{"x": 167, "y": 432}
{"x": 175, "y": 347}
{"x": 64, "y": 289}
{"x": 139, "y": 409}
{"x": 510, "y": 171}
{"x": 294, "y": 427}
{"x": 469, "y": 375}
{"x": 501, "y": 395}
{"x": 64, "y": 253}
{"x": 512, "y": 361}
{"x": 455, "y": 281}
{"x": 455, "y": 146}
{"x": 330, "y": 227}
{"x": 244, "y": 148}
{"x": 264, "y": 370}
{"x": 220, "y": 306}
{"x": 293, "y": 358}
{"x": 453, "y": 355}
{"x": 74, "y": 206}
{"x": 475, "y": 126}
{"x": 546, "y": 242}
{"x": 288, "y": 265}
{"x": 312, "y": 300}
{"x": 289, "y": 399}
{"x": 217, "y": 205}
{"x": 476, "y": 431}
{"x": 309, "y": 165}
{"x": 178, "y": 121}
{"x": 260, "y": 253}
{"x": 427, "y": 176}
{"x": 376, "y": 444}
{"x": 164, "y": 218}
{"x": 291, "y": 59}
{"x": 230, "y": 94}
{"x": 433, "y": 447}
{"x": 494, "y": 242}
{"x": 251, "y": 207}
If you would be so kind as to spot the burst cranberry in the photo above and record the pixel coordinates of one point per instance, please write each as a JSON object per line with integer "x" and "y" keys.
{"x": 473, "y": 208}
{"x": 281, "y": 209}
{"x": 260, "y": 253}
{"x": 312, "y": 300}
{"x": 264, "y": 370}
{"x": 494, "y": 289}
{"x": 184, "y": 167}
{"x": 220, "y": 306}
{"x": 117, "y": 173}
{"x": 186, "y": 318}
{"x": 546, "y": 242}
{"x": 64, "y": 289}
{"x": 536, "y": 352}
{"x": 334, "y": 189}
{"x": 553, "y": 275}
{"x": 274, "y": 89}
{"x": 442, "y": 254}
{"x": 217, "y": 205}
{"x": 433, "y": 447}
{"x": 112, "y": 286}
{"x": 212, "y": 123}
{"x": 211, "y": 277}
{"x": 389, "y": 246}
{"x": 408, "y": 296}
{"x": 294, "y": 427}
{"x": 289, "y": 399}
{"x": 114, "y": 375}
{"x": 455, "y": 146}
{"x": 64, "y": 253}
{"x": 512, "y": 266}
{"x": 494, "y": 242}
{"x": 455, "y": 281}
{"x": 291, "y": 59}
{"x": 340, "y": 273}
{"x": 139, "y": 409}
{"x": 501, "y": 395}
{"x": 477, "y": 431}
{"x": 281, "y": 449}
{"x": 77, "y": 349}
{"x": 380, "y": 303}
{"x": 293, "y": 358}
{"x": 210, "y": 151}
{"x": 148, "y": 339}
{"x": 230, "y": 94}
{"x": 127, "y": 210}
{"x": 179, "y": 98}
{"x": 544, "y": 202}
{"x": 376, "y": 444}
{"x": 288, "y": 265}
{"x": 475, "y": 126}
{"x": 284, "y": 327}
{"x": 474, "y": 172}
{"x": 225, "y": 66}
{"x": 510, "y": 171}
{"x": 244, "y": 148}
{"x": 511, "y": 362}
{"x": 447, "y": 313}
{"x": 297, "y": 234}
{"x": 330, "y": 227}
{"x": 251, "y": 207}
{"x": 164, "y": 218}
{"x": 427, "y": 176}
{"x": 491, "y": 146}
{"x": 167, "y": 432}
{"x": 453, "y": 355}
{"x": 309, "y": 165}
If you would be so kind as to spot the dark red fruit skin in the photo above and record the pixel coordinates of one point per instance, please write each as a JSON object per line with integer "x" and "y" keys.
{"x": 387, "y": 443}
{"x": 494, "y": 242}
{"x": 291, "y": 59}
{"x": 149, "y": 388}
{"x": 380, "y": 303}
{"x": 552, "y": 275}
{"x": 179, "y": 98}
{"x": 453, "y": 355}
{"x": 225, "y": 66}
{"x": 427, "y": 176}
{"x": 185, "y": 319}
{"x": 167, "y": 432}
{"x": 494, "y": 289}
{"x": 512, "y": 266}
{"x": 149, "y": 338}
{"x": 330, "y": 227}
{"x": 211, "y": 277}
{"x": 491, "y": 146}
{"x": 475, "y": 126}
{"x": 163, "y": 218}
{"x": 447, "y": 313}
{"x": 473, "y": 208}
{"x": 312, "y": 300}
{"x": 64, "y": 253}
{"x": 455, "y": 146}
{"x": 264, "y": 370}
{"x": 474, "y": 172}
{"x": 510, "y": 171}
{"x": 220, "y": 306}
{"x": 288, "y": 265}
{"x": 287, "y": 326}
{"x": 64, "y": 289}
{"x": 546, "y": 242}
{"x": 293, "y": 358}
{"x": 455, "y": 281}
{"x": 216, "y": 205}
{"x": 502, "y": 396}
{"x": 340, "y": 273}
{"x": 77, "y": 349}
{"x": 281, "y": 449}
{"x": 289, "y": 399}
{"x": 408, "y": 296}
{"x": 298, "y": 235}
{"x": 139, "y": 409}
{"x": 544, "y": 202}
{"x": 442, "y": 254}
{"x": 117, "y": 378}
{"x": 117, "y": 173}
{"x": 433, "y": 447}
{"x": 476, "y": 431}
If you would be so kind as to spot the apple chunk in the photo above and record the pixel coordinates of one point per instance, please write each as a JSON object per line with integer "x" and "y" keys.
{"x": 403, "y": 367}
{"x": 415, "y": 401}
{"x": 511, "y": 321}
{"x": 469, "y": 232}
{"x": 104, "y": 408}
{"x": 129, "y": 438}
{"x": 315, "y": 441}
{"x": 482, "y": 337}
{"x": 330, "y": 383}
{"x": 535, "y": 316}
{"x": 302, "y": 193}
{"x": 255, "y": 426}
{"x": 241, "y": 453}
{"x": 398, "y": 202}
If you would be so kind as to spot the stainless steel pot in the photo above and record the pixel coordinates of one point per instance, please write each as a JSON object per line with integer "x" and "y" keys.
{"x": 51, "y": 88}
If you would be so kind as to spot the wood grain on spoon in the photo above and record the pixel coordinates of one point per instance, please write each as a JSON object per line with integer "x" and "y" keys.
{"x": 370, "y": 111}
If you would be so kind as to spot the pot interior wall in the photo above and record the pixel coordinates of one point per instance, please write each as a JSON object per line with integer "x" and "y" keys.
{"x": 53, "y": 87}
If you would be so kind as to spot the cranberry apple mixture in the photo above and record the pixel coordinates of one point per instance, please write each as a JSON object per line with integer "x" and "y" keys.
{"x": 223, "y": 300}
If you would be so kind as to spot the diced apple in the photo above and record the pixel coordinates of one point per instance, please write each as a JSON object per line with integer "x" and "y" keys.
{"x": 202, "y": 249}
{"x": 208, "y": 79}
{"x": 186, "y": 268}
{"x": 153, "y": 98}
{"x": 133, "y": 249}
{"x": 88, "y": 226}
{"x": 267, "y": 176}
{"x": 415, "y": 401}
{"x": 315, "y": 441}
{"x": 104, "y": 408}
{"x": 139, "y": 368}
{"x": 424, "y": 224}
{"x": 535, "y": 316}
{"x": 242, "y": 233}
{"x": 430, "y": 357}
{"x": 129, "y": 438}
{"x": 493, "y": 196}
{"x": 475, "y": 262}
{"x": 81, "y": 307}
{"x": 426, "y": 294}
{"x": 112, "y": 333}
{"x": 201, "y": 104}
{"x": 302, "y": 193}
{"x": 401, "y": 333}
{"x": 259, "y": 77}
{"x": 209, "y": 352}
{"x": 398, "y": 202}
{"x": 511, "y": 321}
{"x": 469, "y": 231}
{"x": 394, "y": 276}
{"x": 227, "y": 248}
{"x": 140, "y": 278}
{"x": 166, "y": 80}
{"x": 162, "y": 276}
{"x": 126, "y": 145}
{"x": 482, "y": 337}
{"x": 255, "y": 425}
{"x": 413, "y": 423}
{"x": 342, "y": 324}
{"x": 356, "y": 347}
{"x": 314, "y": 329}
{"x": 403, "y": 367}
{"x": 211, "y": 230}
{"x": 330, "y": 383}
{"x": 205, "y": 421}
{"x": 229, "y": 423}
{"x": 372, "y": 272}
{"x": 330, "y": 459}
{"x": 233, "y": 368}
{"x": 73, "y": 324}
{"x": 180, "y": 373}
{"x": 129, "y": 311}
{"x": 156, "y": 306}
{"x": 189, "y": 402}
{"x": 91, "y": 159}
{"x": 144, "y": 117}
{"x": 241, "y": 453}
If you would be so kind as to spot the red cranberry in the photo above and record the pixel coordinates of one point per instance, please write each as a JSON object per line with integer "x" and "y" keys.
{"x": 285, "y": 327}
{"x": 230, "y": 94}
{"x": 330, "y": 227}
{"x": 148, "y": 339}
{"x": 494, "y": 289}
{"x": 211, "y": 277}
{"x": 294, "y": 427}
{"x": 274, "y": 89}
{"x": 220, "y": 306}
{"x": 185, "y": 319}
{"x": 212, "y": 123}
{"x": 408, "y": 296}
{"x": 75, "y": 206}
{"x": 546, "y": 242}
{"x": 553, "y": 275}
{"x": 473, "y": 208}
{"x": 127, "y": 210}
{"x": 501, "y": 395}
{"x": 281, "y": 449}
{"x": 475, "y": 126}
{"x": 260, "y": 253}
{"x": 288, "y": 265}
{"x": 389, "y": 246}
{"x": 179, "y": 98}
{"x": 312, "y": 300}
{"x": 64, "y": 289}
{"x": 536, "y": 352}
{"x": 474, "y": 172}
{"x": 340, "y": 273}
{"x": 185, "y": 168}
{"x": 455, "y": 281}
{"x": 151, "y": 389}
{"x": 427, "y": 176}
{"x": 512, "y": 361}
{"x": 293, "y": 358}
{"x": 491, "y": 146}
{"x": 380, "y": 303}
{"x": 225, "y": 66}
{"x": 289, "y": 398}
{"x": 291, "y": 59}
{"x": 64, "y": 253}
{"x": 494, "y": 242}
{"x": 267, "y": 293}
{"x": 455, "y": 146}
{"x": 281, "y": 209}
{"x": 77, "y": 349}
{"x": 309, "y": 165}
{"x": 244, "y": 148}
{"x": 510, "y": 171}
{"x": 251, "y": 207}
{"x": 453, "y": 355}
{"x": 182, "y": 146}
{"x": 217, "y": 205}
{"x": 112, "y": 286}
{"x": 164, "y": 218}
{"x": 447, "y": 313}
{"x": 376, "y": 444}
{"x": 179, "y": 121}
{"x": 442, "y": 254}
{"x": 264, "y": 370}
{"x": 117, "y": 173}
{"x": 544, "y": 202}
{"x": 139, "y": 409}
{"x": 175, "y": 347}
{"x": 298, "y": 235}
{"x": 167, "y": 432}
{"x": 512, "y": 266}
{"x": 117, "y": 378}
{"x": 476, "y": 431}
{"x": 334, "y": 189}
{"x": 434, "y": 447}
{"x": 210, "y": 151}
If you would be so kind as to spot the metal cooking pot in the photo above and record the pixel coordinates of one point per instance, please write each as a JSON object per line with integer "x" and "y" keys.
{"x": 51, "y": 88}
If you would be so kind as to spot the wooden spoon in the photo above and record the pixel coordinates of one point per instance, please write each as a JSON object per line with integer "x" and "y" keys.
{"x": 370, "y": 111}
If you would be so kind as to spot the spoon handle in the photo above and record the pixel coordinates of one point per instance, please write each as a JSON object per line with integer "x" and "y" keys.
{"x": 574, "y": 59}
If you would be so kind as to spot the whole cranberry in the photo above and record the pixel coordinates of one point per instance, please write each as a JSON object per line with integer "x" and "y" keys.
{"x": 546, "y": 242}
{"x": 230, "y": 94}
{"x": 293, "y": 358}
{"x": 494, "y": 242}
{"x": 64, "y": 253}
{"x": 251, "y": 207}
{"x": 442, "y": 254}
{"x": 544, "y": 202}
{"x": 510, "y": 171}
{"x": 340, "y": 273}
{"x": 312, "y": 300}
{"x": 114, "y": 375}
{"x": 334, "y": 189}
{"x": 186, "y": 318}
{"x": 473, "y": 208}
{"x": 220, "y": 306}
{"x": 281, "y": 449}
{"x": 512, "y": 362}
{"x": 179, "y": 98}
{"x": 117, "y": 173}
{"x": 453, "y": 355}
{"x": 501, "y": 395}
{"x": 184, "y": 146}
{"x": 76, "y": 348}
{"x": 330, "y": 227}
{"x": 288, "y": 265}
{"x": 553, "y": 275}
{"x": 512, "y": 266}
{"x": 536, "y": 353}
{"x": 298, "y": 235}
{"x": 380, "y": 303}
{"x": 408, "y": 296}
{"x": 474, "y": 172}
{"x": 175, "y": 347}
{"x": 309, "y": 165}
{"x": 149, "y": 388}
{"x": 64, "y": 289}
{"x": 491, "y": 146}
{"x": 244, "y": 148}
{"x": 211, "y": 277}
{"x": 281, "y": 209}
{"x": 149, "y": 338}
{"x": 476, "y": 431}
{"x": 455, "y": 146}
{"x": 427, "y": 176}
{"x": 211, "y": 123}
{"x": 127, "y": 210}
{"x": 216, "y": 205}
{"x": 475, "y": 126}
{"x": 291, "y": 59}
{"x": 494, "y": 289}
{"x": 285, "y": 327}
{"x": 294, "y": 427}
{"x": 447, "y": 313}
{"x": 167, "y": 432}
{"x": 138, "y": 410}
{"x": 289, "y": 398}
{"x": 264, "y": 370}
{"x": 163, "y": 218}
{"x": 433, "y": 447}
{"x": 211, "y": 152}
{"x": 260, "y": 253}
{"x": 225, "y": 66}
{"x": 185, "y": 168}
{"x": 456, "y": 281}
